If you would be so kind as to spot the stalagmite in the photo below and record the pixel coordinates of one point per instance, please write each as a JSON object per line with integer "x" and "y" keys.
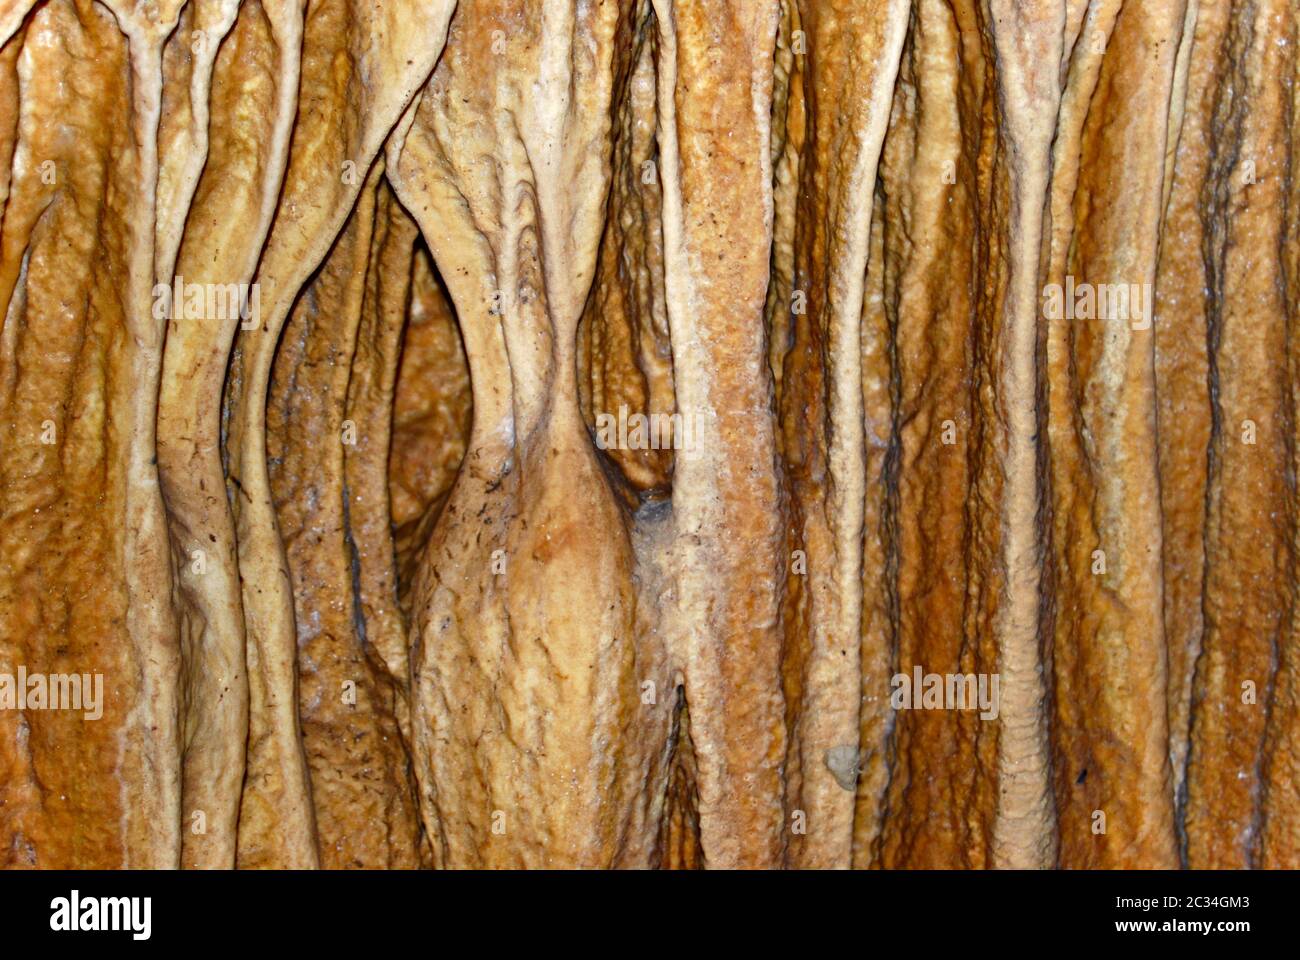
{"x": 649, "y": 433}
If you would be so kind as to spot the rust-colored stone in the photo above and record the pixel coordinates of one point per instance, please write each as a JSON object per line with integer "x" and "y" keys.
{"x": 649, "y": 433}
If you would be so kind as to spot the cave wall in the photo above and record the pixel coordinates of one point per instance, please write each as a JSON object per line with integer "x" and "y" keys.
{"x": 332, "y": 330}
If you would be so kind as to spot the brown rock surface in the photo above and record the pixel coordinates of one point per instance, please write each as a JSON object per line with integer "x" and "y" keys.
{"x": 505, "y": 433}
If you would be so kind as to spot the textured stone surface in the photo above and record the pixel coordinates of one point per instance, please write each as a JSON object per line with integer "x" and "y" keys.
{"x": 630, "y": 396}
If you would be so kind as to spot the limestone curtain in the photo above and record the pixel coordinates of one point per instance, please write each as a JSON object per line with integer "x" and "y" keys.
{"x": 649, "y": 433}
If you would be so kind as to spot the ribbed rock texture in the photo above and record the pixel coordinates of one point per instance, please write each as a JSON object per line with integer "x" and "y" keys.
{"x": 649, "y": 433}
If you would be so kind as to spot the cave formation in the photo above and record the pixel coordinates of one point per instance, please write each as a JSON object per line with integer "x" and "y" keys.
{"x": 532, "y": 433}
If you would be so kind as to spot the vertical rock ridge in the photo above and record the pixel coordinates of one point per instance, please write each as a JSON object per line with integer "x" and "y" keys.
{"x": 727, "y": 555}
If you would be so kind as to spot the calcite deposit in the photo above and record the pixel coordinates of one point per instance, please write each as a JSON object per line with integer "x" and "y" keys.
{"x": 649, "y": 433}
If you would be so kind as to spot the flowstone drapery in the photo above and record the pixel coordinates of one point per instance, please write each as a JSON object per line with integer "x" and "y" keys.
{"x": 639, "y": 433}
